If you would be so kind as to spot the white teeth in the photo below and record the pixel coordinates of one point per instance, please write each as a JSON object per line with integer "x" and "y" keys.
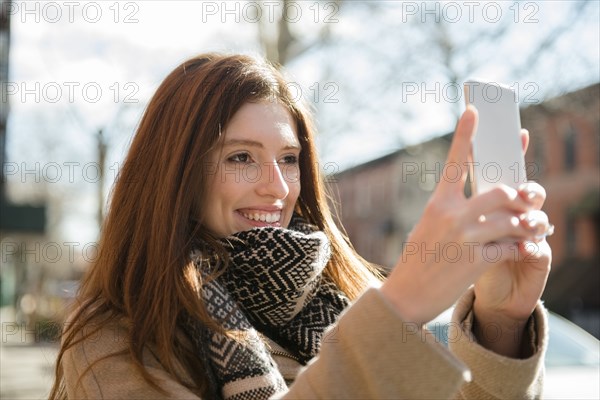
{"x": 266, "y": 217}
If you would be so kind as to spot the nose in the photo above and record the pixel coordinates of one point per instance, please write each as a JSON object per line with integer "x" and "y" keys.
{"x": 273, "y": 182}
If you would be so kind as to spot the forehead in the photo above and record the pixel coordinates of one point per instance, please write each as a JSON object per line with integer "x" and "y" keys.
{"x": 264, "y": 122}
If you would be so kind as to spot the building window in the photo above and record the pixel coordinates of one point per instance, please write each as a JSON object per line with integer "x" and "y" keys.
{"x": 570, "y": 147}
{"x": 571, "y": 236}
{"x": 362, "y": 200}
{"x": 536, "y": 170}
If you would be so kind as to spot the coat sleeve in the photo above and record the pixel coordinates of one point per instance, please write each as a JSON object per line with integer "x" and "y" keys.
{"x": 371, "y": 353}
{"x": 496, "y": 376}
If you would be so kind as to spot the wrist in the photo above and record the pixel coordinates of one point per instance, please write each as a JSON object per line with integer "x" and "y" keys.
{"x": 407, "y": 310}
{"x": 498, "y": 332}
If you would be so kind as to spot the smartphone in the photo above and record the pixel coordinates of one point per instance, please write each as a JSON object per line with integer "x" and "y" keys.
{"x": 497, "y": 151}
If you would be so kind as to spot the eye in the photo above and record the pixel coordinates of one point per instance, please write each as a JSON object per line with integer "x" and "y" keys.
{"x": 242, "y": 158}
{"x": 290, "y": 159}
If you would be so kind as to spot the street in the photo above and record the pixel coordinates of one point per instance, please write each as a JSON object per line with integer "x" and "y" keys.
{"x": 26, "y": 371}
{"x": 26, "y": 363}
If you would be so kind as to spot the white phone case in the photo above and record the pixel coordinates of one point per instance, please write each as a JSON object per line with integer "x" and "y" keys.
{"x": 497, "y": 152}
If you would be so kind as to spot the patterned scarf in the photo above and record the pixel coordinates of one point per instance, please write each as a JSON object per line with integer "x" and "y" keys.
{"x": 273, "y": 285}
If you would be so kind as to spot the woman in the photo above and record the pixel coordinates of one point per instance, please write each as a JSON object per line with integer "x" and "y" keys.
{"x": 221, "y": 272}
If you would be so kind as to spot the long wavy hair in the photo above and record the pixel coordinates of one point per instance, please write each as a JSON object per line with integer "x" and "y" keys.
{"x": 143, "y": 273}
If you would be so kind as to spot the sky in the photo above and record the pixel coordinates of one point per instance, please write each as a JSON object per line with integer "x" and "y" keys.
{"x": 376, "y": 85}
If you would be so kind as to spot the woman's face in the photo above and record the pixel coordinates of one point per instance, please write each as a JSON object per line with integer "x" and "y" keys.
{"x": 256, "y": 176}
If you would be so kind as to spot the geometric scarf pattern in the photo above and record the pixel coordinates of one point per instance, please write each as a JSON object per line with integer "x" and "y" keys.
{"x": 273, "y": 285}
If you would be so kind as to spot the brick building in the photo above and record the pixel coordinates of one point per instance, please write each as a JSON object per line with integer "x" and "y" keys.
{"x": 380, "y": 201}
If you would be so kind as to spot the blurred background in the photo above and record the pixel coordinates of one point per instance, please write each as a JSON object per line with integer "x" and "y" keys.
{"x": 385, "y": 81}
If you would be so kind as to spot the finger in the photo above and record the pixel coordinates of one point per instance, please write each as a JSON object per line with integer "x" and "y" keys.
{"x": 485, "y": 255}
{"x": 496, "y": 252}
{"x": 537, "y": 222}
{"x": 502, "y": 197}
{"x": 458, "y": 155}
{"x": 534, "y": 193}
{"x": 524, "y": 140}
{"x": 532, "y": 252}
{"x": 501, "y": 226}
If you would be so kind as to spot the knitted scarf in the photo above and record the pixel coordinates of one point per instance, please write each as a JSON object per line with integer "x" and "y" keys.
{"x": 273, "y": 285}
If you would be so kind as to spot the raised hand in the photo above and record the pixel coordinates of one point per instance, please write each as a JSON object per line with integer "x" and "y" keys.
{"x": 507, "y": 293}
{"x": 486, "y": 239}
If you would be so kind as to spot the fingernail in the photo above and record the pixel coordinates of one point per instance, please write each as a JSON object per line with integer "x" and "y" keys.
{"x": 528, "y": 194}
{"x": 528, "y": 221}
{"x": 549, "y": 231}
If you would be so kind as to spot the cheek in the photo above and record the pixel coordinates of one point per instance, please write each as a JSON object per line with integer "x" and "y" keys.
{"x": 224, "y": 192}
{"x": 233, "y": 187}
{"x": 219, "y": 193}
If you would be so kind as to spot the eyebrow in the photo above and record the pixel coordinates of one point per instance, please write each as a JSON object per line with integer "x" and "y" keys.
{"x": 254, "y": 143}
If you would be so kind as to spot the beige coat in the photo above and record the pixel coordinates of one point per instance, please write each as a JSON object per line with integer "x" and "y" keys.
{"x": 369, "y": 354}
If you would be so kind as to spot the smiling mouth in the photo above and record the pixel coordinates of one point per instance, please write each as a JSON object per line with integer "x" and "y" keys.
{"x": 265, "y": 217}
